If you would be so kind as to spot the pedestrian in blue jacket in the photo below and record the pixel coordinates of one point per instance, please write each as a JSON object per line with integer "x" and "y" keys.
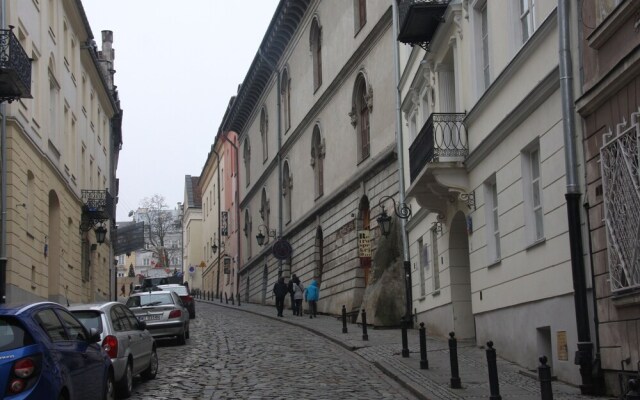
{"x": 311, "y": 295}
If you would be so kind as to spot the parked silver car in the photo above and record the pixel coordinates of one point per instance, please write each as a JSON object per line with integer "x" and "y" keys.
{"x": 125, "y": 339}
{"x": 163, "y": 312}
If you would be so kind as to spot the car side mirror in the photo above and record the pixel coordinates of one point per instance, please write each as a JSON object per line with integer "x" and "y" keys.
{"x": 94, "y": 335}
{"x": 142, "y": 325}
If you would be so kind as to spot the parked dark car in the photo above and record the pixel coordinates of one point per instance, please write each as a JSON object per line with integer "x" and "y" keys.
{"x": 126, "y": 340}
{"x": 46, "y": 353}
{"x": 163, "y": 312}
{"x": 186, "y": 298}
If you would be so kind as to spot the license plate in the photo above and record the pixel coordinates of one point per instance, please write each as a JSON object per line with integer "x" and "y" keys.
{"x": 149, "y": 317}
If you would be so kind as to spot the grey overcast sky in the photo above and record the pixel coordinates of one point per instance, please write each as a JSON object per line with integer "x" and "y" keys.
{"x": 177, "y": 65}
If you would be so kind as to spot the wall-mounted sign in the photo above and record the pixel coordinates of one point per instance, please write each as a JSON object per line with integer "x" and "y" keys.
{"x": 224, "y": 223}
{"x": 364, "y": 243}
{"x": 282, "y": 249}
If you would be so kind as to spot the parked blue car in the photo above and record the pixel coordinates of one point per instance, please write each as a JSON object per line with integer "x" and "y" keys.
{"x": 46, "y": 353}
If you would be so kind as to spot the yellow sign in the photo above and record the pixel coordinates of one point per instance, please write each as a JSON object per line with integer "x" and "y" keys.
{"x": 563, "y": 349}
{"x": 202, "y": 264}
{"x": 364, "y": 243}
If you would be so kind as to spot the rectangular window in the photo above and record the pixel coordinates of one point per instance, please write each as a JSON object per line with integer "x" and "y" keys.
{"x": 361, "y": 13}
{"x": 533, "y": 193}
{"x": 485, "y": 46}
{"x": 491, "y": 216}
{"x": 420, "y": 261}
{"x": 436, "y": 264}
{"x": 527, "y": 18}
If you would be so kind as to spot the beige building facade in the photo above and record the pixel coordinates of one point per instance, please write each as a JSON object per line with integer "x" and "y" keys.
{"x": 62, "y": 149}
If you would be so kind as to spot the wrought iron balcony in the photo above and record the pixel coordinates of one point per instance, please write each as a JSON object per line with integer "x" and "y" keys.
{"x": 442, "y": 138}
{"x": 15, "y": 68}
{"x": 419, "y": 20}
{"x": 98, "y": 207}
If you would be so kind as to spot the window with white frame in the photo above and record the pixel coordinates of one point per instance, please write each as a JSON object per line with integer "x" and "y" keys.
{"x": 532, "y": 185}
{"x": 491, "y": 218}
{"x": 484, "y": 29}
{"x": 436, "y": 263}
{"x": 421, "y": 246}
{"x": 527, "y": 18}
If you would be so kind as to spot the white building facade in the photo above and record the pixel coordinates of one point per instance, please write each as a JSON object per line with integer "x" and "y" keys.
{"x": 485, "y": 155}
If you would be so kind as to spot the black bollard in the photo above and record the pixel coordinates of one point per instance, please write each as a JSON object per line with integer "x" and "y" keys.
{"x": 365, "y": 336}
{"x": 492, "y": 366}
{"x": 232, "y": 300}
{"x": 226, "y": 299}
{"x": 424, "y": 363}
{"x": 405, "y": 340}
{"x": 238, "y": 299}
{"x": 544, "y": 376}
{"x": 344, "y": 319}
{"x": 208, "y": 294}
{"x": 221, "y": 297}
{"x": 453, "y": 358}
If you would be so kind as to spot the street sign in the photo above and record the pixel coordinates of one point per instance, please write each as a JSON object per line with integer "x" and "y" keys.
{"x": 282, "y": 249}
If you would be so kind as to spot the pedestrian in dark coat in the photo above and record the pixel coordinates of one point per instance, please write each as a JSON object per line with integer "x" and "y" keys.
{"x": 293, "y": 282}
{"x": 280, "y": 290}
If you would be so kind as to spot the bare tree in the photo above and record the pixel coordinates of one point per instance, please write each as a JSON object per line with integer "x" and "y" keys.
{"x": 161, "y": 224}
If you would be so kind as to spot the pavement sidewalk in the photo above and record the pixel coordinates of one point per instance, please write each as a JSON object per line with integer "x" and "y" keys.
{"x": 384, "y": 349}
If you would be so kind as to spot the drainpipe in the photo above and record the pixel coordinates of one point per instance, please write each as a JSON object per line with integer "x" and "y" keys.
{"x": 400, "y": 150}
{"x": 584, "y": 354}
{"x": 3, "y": 189}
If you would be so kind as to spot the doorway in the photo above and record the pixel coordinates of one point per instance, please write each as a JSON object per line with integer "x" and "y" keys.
{"x": 460, "y": 275}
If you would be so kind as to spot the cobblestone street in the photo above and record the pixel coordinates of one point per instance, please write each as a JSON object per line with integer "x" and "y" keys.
{"x": 236, "y": 355}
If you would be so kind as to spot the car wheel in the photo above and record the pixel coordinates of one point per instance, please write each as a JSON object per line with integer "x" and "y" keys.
{"x": 152, "y": 369}
{"x": 182, "y": 338}
{"x": 125, "y": 386}
{"x": 110, "y": 390}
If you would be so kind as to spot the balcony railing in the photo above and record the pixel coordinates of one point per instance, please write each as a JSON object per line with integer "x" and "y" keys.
{"x": 419, "y": 20}
{"x": 442, "y": 138}
{"x": 15, "y": 68}
{"x": 98, "y": 206}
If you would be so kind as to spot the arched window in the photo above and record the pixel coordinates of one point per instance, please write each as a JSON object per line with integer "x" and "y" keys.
{"x": 264, "y": 128}
{"x": 285, "y": 98}
{"x": 287, "y": 185}
{"x": 361, "y": 107}
{"x": 247, "y": 160}
{"x": 247, "y": 232}
{"x": 319, "y": 255}
{"x": 264, "y": 209}
{"x": 315, "y": 41}
{"x": 317, "y": 160}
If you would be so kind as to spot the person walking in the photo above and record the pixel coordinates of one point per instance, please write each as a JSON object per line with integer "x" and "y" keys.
{"x": 280, "y": 290}
{"x": 122, "y": 294}
{"x": 292, "y": 282}
{"x": 311, "y": 295}
{"x": 298, "y": 295}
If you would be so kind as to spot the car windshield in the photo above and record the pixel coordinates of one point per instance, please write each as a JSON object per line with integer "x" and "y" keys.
{"x": 12, "y": 335}
{"x": 90, "y": 319}
{"x": 149, "y": 299}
